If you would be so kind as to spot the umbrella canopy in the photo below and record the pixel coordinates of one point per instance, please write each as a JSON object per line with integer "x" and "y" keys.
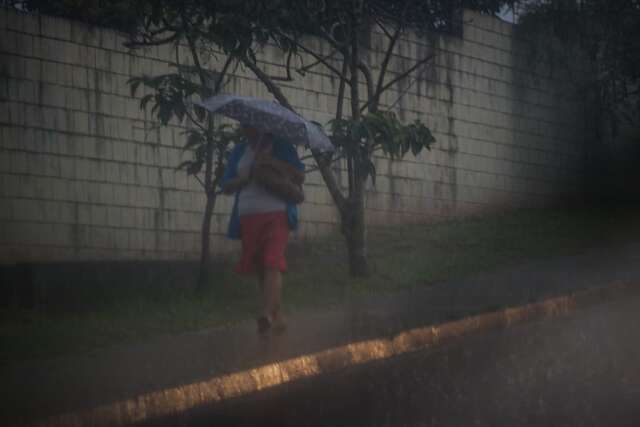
{"x": 268, "y": 116}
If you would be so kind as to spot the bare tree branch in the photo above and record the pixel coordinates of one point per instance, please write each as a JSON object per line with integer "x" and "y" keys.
{"x": 383, "y": 67}
{"x": 333, "y": 160}
{"x": 401, "y": 76}
{"x": 318, "y": 57}
{"x": 200, "y": 181}
{"x": 383, "y": 27}
{"x": 375, "y": 100}
{"x": 187, "y": 112}
{"x": 288, "y": 65}
{"x": 341, "y": 90}
{"x": 368, "y": 78}
{"x": 407, "y": 72}
{"x": 342, "y": 47}
{"x": 194, "y": 121}
{"x": 222, "y": 74}
{"x": 353, "y": 69}
{"x": 133, "y": 44}
{"x": 288, "y": 77}
{"x": 281, "y": 78}
{"x": 268, "y": 82}
{"x": 306, "y": 68}
{"x": 353, "y": 165}
{"x": 204, "y": 79}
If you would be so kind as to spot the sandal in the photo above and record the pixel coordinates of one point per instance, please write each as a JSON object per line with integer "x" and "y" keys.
{"x": 279, "y": 327}
{"x": 264, "y": 324}
{"x": 278, "y": 323}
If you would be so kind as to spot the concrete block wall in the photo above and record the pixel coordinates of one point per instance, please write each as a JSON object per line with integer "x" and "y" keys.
{"x": 85, "y": 174}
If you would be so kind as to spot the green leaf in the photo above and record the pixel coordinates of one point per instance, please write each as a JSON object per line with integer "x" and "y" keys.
{"x": 193, "y": 140}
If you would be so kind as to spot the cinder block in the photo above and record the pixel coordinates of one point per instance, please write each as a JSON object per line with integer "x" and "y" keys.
{"x": 119, "y": 41}
{"x": 79, "y": 99}
{"x": 66, "y": 167}
{"x": 80, "y": 77}
{"x": 121, "y": 129}
{"x": 50, "y": 49}
{"x": 81, "y": 122}
{"x": 69, "y": 53}
{"x": 121, "y": 195}
{"x": 14, "y": 67}
{"x": 114, "y": 215}
{"x": 166, "y": 136}
{"x": 19, "y": 164}
{"x": 23, "y": 44}
{"x": 123, "y": 173}
{"x": 62, "y": 29}
{"x": 62, "y": 212}
{"x": 28, "y": 210}
{"x": 132, "y": 109}
{"x": 64, "y": 74}
{"x": 49, "y": 94}
{"x": 119, "y": 63}
{"x": 120, "y": 240}
{"x": 83, "y": 169}
{"x": 8, "y": 183}
{"x": 107, "y": 39}
{"x": 116, "y": 107}
{"x": 139, "y": 174}
{"x": 61, "y": 190}
{"x": 110, "y": 172}
{"x": 146, "y": 154}
{"x": 103, "y": 60}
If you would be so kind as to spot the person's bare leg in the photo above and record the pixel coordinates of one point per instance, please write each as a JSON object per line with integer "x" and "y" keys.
{"x": 264, "y": 320}
{"x": 261, "y": 281}
{"x": 272, "y": 291}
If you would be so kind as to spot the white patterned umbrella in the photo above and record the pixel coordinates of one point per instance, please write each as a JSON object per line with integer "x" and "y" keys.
{"x": 269, "y": 116}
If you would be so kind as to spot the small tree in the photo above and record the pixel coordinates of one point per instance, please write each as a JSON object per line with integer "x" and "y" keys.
{"x": 345, "y": 26}
{"x": 196, "y": 32}
{"x": 198, "y": 28}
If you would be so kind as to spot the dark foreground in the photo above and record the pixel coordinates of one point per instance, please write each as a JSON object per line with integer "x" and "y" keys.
{"x": 581, "y": 370}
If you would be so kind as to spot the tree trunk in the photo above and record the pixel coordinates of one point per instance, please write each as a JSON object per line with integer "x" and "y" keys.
{"x": 357, "y": 233}
{"x": 203, "y": 271}
{"x": 209, "y": 190}
{"x": 357, "y": 247}
{"x": 353, "y": 220}
{"x": 354, "y": 231}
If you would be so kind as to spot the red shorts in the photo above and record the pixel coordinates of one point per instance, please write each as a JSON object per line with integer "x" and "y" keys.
{"x": 264, "y": 240}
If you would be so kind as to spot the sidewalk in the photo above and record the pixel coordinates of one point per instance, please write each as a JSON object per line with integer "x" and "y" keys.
{"x": 39, "y": 389}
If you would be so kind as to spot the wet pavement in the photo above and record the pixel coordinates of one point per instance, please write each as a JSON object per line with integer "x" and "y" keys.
{"x": 581, "y": 370}
{"x": 37, "y": 389}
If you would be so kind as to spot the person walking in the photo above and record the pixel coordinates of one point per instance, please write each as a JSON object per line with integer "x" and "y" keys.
{"x": 262, "y": 219}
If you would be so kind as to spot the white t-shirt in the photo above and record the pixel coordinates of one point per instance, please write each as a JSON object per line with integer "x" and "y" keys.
{"x": 254, "y": 198}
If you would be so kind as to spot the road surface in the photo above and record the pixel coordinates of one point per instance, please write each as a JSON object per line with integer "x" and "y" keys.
{"x": 580, "y": 370}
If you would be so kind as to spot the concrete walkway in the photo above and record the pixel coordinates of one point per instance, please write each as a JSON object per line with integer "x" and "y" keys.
{"x": 36, "y": 390}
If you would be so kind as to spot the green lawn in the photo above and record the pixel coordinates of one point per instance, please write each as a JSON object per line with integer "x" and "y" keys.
{"x": 401, "y": 257}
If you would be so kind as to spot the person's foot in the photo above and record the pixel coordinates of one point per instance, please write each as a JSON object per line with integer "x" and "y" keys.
{"x": 279, "y": 323}
{"x": 264, "y": 324}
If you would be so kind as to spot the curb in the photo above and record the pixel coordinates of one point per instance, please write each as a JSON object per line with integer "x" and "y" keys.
{"x": 177, "y": 400}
